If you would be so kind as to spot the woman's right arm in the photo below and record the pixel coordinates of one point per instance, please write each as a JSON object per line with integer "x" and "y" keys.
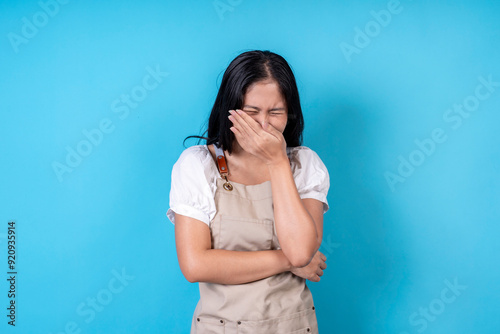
{"x": 200, "y": 263}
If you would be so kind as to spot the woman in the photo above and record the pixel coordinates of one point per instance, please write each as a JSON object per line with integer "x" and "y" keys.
{"x": 248, "y": 206}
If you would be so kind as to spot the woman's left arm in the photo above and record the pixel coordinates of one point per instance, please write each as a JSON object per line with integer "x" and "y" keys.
{"x": 299, "y": 223}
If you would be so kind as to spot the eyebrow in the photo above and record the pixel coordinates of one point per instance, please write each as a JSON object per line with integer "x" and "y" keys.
{"x": 257, "y": 108}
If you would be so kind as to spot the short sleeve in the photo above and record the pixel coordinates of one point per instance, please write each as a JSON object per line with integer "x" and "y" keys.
{"x": 310, "y": 175}
{"x": 192, "y": 192}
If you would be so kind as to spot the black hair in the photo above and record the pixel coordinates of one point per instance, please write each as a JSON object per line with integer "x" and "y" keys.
{"x": 248, "y": 68}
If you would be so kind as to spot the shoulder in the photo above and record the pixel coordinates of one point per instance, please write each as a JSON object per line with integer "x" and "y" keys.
{"x": 195, "y": 168}
{"x": 297, "y": 150}
{"x": 195, "y": 165}
{"x": 303, "y": 157}
{"x": 194, "y": 154}
{"x": 310, "y": 174}
{"x": 195, "y": 160}
{"x": 193, "y": 185}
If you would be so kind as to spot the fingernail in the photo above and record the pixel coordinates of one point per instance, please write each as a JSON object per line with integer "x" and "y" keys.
{"x": 231, "y": 112}
{"x": 239, "y": 111}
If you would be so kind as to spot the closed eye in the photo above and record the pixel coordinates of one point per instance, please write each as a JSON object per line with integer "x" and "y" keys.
{"x": 251, "y": 112}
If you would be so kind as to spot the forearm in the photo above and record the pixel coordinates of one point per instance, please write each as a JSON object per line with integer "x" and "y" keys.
{"x": 295, "y": 228}
{"x": 236, "y": 267}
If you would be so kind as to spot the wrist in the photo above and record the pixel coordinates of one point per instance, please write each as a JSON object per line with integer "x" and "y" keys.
{"x": 287, "y": 265}
{"x": 278, "y": 162}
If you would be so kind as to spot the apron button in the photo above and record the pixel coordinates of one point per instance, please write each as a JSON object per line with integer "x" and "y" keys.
{"x": 313, "y": 307}
{"x": 221, "y": 321}
{"x": 197, "y": 319}
{"x": 308, "y": 329}
{"x": 239, "y": 322}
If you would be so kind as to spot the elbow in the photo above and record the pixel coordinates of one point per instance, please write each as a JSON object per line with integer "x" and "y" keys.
{"x": 301, "y": 257}
{"x": 190, "y": 278}
{"x": 300, "y": 261}
{"x": 194, "y": 268}
{"x": 190, "y": 272}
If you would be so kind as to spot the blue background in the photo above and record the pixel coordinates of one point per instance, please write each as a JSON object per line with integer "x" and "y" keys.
{"x": 393, "y": 247}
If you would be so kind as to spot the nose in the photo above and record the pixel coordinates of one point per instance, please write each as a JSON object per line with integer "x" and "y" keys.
{"x": 262, "y": 117}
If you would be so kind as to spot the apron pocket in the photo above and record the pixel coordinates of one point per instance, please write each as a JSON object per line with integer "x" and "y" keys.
{"x": 209, "y": 325}
{"x": 302, "y": 322}
{"x": 244, "y": 234}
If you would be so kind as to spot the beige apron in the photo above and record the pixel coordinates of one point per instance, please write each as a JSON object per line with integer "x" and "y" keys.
{"x": 276, "y": 305}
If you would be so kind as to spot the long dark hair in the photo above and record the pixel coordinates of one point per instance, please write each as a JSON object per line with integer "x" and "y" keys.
{"x": 246, "y": 69}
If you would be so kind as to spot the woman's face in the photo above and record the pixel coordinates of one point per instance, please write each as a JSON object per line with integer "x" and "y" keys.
{"x": 264, "y": 102}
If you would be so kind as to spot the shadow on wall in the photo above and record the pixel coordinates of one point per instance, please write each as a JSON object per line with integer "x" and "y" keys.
{"x": 359, "y": 259}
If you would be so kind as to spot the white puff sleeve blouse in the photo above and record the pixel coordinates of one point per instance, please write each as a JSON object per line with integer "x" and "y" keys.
{"x": 195, "y": 173}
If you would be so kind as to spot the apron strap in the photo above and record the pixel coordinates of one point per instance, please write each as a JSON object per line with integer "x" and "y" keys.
{"x": 222, "y": 166}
